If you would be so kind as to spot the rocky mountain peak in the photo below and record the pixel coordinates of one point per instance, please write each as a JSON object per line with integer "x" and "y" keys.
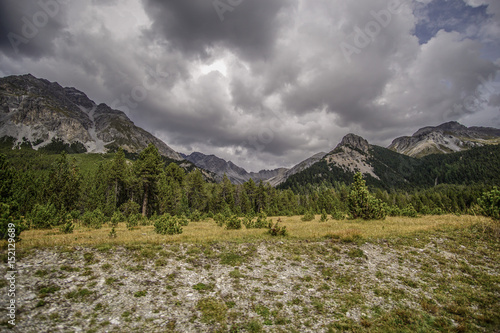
{"x": 354, "y": 141}
{"x": 451, "y": 126}
{"x": 40, "y": 111}
{"x": 445, "y": 138}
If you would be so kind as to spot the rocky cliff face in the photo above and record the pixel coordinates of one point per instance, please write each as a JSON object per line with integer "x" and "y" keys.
{"x": 352, "y": 154}
{"x": 38, "y": 111}
{"x": 236, "y": 174}
{"x": 446, "y": 138}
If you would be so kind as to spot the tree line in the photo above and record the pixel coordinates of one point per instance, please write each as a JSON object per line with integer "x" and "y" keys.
{"x": 150, "y": 187}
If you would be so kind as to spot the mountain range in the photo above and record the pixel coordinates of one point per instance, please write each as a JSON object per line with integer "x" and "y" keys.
{"x": 40, "y": 112}
{"x": 446, "y": 138}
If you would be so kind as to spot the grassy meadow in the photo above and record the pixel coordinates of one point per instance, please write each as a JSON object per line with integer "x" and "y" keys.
{"x": 427, "y": 274}
{"x": 207, "y": 231}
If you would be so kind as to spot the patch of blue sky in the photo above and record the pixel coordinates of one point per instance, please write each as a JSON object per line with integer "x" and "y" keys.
{"x": 450, "y": 15}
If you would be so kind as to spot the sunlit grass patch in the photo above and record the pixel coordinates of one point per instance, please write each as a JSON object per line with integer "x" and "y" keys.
{"x": 207, "y": 231}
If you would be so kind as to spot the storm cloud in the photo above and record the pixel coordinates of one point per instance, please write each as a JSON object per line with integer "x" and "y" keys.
{"x": 267, "y": 83}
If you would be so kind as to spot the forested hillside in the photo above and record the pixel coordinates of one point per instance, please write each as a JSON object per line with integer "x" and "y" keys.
{"x": 44, "y": 187}
{"x": 478, "y": 166}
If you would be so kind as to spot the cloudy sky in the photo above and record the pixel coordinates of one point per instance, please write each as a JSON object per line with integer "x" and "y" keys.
{"x": 266, "y": 83}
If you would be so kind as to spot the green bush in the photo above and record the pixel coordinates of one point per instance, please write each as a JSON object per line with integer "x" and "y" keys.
{"x": 196, "y": 216}
{"x": 67, "y": 225}
{"x": 261, "y": 222}
{"x": 233, "y": 223}
{"x": 43, "y": 216}
{"x": 93, "y": 219}
{"x": 183, "y": 221}
{"x": 363, "y": 205}
{"x": 116, "y": 218}
{"x": 276, "y": 230}
{"x": 168, "y": 225}
{"x": 393, "y": 211}
{"x": 133, "y": 220}
{"x": 409, "y": 211}
{"x": 308, "y": 216}
{"x": 338, "y": 215}
{"x": 324, "y": 216}
{"x": 437, "y": 211}
{"x": 219, "y": 219}
{"x": 129, "y": 208}
{"x": 98, "y": 219}
{"x": 248, "y": 221}
{"x": 489, "y": 203}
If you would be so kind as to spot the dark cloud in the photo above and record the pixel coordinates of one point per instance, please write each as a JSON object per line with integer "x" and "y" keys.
{"x": 269, "y": 85}
{"x": 195, "y": 26}
{"x": 29, "y": 28}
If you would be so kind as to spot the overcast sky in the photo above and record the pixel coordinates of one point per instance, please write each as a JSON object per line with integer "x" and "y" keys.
{"x": 266, "y": 83}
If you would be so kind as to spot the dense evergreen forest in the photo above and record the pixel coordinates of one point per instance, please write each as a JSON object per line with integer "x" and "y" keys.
{"x": 42, "y": 184}
{"x": 403, "y": 173}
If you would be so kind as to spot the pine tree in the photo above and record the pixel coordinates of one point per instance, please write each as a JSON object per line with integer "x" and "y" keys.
{"x": 363, "y": 205}
{"x": 63, "y": 188}
{"x": 147, "y": 169}
{"x": 118, "y": 176}
{"x": 196, "y": 194}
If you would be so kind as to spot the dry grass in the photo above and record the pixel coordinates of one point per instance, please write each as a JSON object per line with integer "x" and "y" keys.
{"x": 207, "y": 231}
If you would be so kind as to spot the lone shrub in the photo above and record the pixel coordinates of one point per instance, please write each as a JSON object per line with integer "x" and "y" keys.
{"x": 363, "y": 205}
{"x": 490, "y": 203}
{"x": 168, "y": 225}
{"x": 233, "y": 223}
{"x": 308, "y": 216}
{"x": 276, "y": 230}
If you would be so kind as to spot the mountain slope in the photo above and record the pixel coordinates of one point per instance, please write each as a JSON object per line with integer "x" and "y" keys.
{"x": 445, "y": 138}
{"x": 39, "y": 111}
{"x": 236, "y": 174}
{"x": 279, "y": 179}
{"x": 386, "y": 169}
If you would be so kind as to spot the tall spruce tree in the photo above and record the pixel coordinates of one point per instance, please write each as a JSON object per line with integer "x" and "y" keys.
{"x": 63, "y": 188}
{"x": 362, "y": 204}
{"x": 147, "y": 169}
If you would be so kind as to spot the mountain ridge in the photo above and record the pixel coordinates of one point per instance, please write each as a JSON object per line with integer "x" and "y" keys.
{"x": 39, "y": 111}
{"x": 235, "y": 174}
{"x": 445, "y": 138}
